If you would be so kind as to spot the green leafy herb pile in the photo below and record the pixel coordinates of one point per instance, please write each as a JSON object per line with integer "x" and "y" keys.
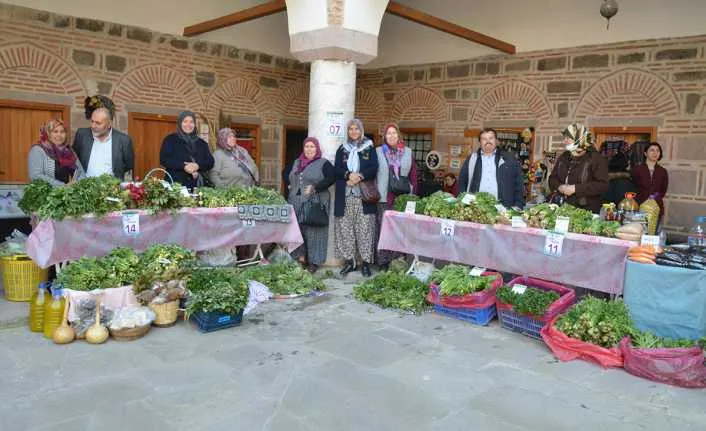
{"x": 287, "y": 278}
{"x": 400, "y": 203}
{"x": 217, "y": 290}
{"x": 234, "y": 196}
{"x": 88, "y": 273}
{"x": 455, "y": 280}
{"x": 597, "y": 321}
{"x": 163, "y": 262}
{"x": 393, "y": 290}
{"x": 648, "y": 340}
{"x": 162, "y": 196}
{"x": 444, "y": 205}
{"x": 580, "y": 220}
{"x": 35, "y": 193}
{"x": 534, "y": 302}
{"x": 96, "y": 195}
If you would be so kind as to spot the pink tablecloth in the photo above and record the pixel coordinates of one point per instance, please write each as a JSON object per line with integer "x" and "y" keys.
{"x": 199, "y": 229}
{"x": 587, "y": 261}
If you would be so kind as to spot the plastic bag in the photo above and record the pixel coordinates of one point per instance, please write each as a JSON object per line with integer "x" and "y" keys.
{"x": 132, "y": 317}
{"x": 258, "y": 293}
{"x": 679, "y": 367}
{"x": 567, "y": 297}
{"x": 476, "y": 300}
{"x": 14, "y": 244}
{"x": 86, "y": 315}
{"x": 224, "y": 256}
{"x": 566, "y": 348}
{"x": 422, "y": 271}
{"x": 279, "y": 255}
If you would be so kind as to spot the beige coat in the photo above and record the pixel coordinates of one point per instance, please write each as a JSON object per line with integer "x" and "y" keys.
{"x": 228, "y": 172}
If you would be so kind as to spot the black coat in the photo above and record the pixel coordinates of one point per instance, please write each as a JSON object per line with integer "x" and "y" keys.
{"x": 123, "y": 153}
{"x": 368, "y": 169}
{"x": 511, "y": 187}
{"x": 174, "y": 154}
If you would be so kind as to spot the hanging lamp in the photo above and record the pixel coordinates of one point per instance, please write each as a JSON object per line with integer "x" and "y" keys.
{"x": 609, "y": 9}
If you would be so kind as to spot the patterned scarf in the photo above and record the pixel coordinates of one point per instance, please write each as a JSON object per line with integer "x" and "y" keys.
{"x": 354, "y": 147}
{"x": 303, "y": 160}
{"x": 62, "y": 154}
{"x": 393, "y": 154}
{"x": 237, "y": 153}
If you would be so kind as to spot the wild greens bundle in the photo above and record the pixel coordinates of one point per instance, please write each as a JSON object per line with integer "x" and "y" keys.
{"x": 393, "y": 290}
{"x": 217, "y": 290}
{"x": 456, "y": 280}
{"x": 34, "y": 195}
{"x": 533, "y": 301}
{"x": 287, "y": 278}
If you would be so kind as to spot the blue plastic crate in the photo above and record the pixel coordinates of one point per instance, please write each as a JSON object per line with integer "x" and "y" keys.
{"x": 477, "y": 316}
{"x": 522, "y": 324}
{"x": 208, "y": 322}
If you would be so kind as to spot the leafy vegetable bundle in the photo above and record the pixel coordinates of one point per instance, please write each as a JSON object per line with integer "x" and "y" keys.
{"x": 597, "y": 321}
{"x": 580, "y": 220}
{"x": 217, "y": 290}
{"x": 88, "y": 273}
{"x": 455, "y": 280}
{"x": 163, "y": 262}
{"x": 234, "y": 196}
{"x": 286, "y": 278}
{"x": 393, "y": 290}
{"x": 444, "y": 205}
{"x": 400, "y": 203}
{"x": 533, "y": 301}
{"x": 95, "y": 195}
{"x": 34, "y": 196}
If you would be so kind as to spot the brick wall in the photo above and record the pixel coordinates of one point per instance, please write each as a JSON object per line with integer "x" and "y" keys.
{"x": 660, "y": 83}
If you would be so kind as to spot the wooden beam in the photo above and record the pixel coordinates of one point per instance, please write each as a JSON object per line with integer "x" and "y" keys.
{"x": 422, "y": 18}
{"x": 265, "y": 9}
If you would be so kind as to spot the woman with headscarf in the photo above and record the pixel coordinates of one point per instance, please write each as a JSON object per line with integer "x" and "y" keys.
{"x": 580, "y": 176}
{"x": 233, "y": 165}
{"x": 185, "y": 155}
{"x": 397, "y": 174}
{"x": 356, "y": 161}
{"x": 309, "y": 178}
{"x": 52, "y": 159}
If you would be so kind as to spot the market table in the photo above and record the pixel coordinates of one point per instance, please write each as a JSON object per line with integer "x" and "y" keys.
{"x": 670, "y": 302}
{"x": 199, "y": 229}
{"x": 592, "y": 262}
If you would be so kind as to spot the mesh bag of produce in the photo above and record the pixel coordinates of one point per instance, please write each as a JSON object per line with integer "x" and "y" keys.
{"x": 679, "y": 367}
{"x": 566, "y": 348}
{"x": 476, "y": 300}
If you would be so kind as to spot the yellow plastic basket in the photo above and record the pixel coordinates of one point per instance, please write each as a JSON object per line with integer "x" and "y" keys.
{"x": 21, "y": 277}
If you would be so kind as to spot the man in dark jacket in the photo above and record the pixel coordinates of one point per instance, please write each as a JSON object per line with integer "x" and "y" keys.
{"x": 493, "y": 171}
{"x": 102, "y": 149}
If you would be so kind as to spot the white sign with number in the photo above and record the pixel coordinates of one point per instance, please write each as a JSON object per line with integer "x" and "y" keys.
{"x": 519, "y": 288}
{"x": 447, "y": 228}
{"x": 334, "y": 125}
{"x": 562, "y": 224}
{"x": 501, "y": 208}
{"x": 131, "y": 223}
{"x": 553, "y": 244}
{"x": 468, "y": 198}
{"x": 248, "y": 223}
{"x": 476, "y": 271}
{"x": 518, "y": 221}
{"x": 411, "y": 207}
{"x": 652, "y": 240}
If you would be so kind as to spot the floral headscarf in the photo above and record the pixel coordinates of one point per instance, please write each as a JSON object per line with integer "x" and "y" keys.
{"x": 62, "y": 154}
{"x": 581, "y": 137}
{"x": 393, "y": 155}
{"x": 303, "y": 161}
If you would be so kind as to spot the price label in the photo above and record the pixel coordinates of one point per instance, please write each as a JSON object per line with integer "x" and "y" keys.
{"x": 518, "y": 221}
{"x": 447, "y": 228}
{"x": 248, "y": 223}
{"x": 185, "y": 192}
{"x": 109, "y": 199}
{"x": 468, "y": 198}
{"x": 501, "y": 208}
{"x": 166, "y": 184}
{"x": 131, "y": 223}
{"x": 553, "y": 244}
{"x": 562, "y": 224}
{"x": 477, "y": 271}
{"x": 411, "y": 207}
{"x": 652, "y": 240}
{"x": 519, "y": 288}
{"x": 334, "y": 125}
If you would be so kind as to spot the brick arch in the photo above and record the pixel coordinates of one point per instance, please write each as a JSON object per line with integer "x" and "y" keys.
{"x": 368, "y": 106}
{"x": 628, "y": 81}
{"x": 432, "y": 104}
{"x": 293, "y": 100}
{"x": 509, "y": 92}
{"x": 133, "y": 83}
{"x": 16, "y": 55}
{"x": 236, "y": 88}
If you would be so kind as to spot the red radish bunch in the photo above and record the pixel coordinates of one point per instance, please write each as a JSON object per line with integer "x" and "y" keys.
{"x": 137, "y": 192}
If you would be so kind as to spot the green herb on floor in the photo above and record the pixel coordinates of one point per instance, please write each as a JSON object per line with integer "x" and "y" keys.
{"x": 393, "y": 290}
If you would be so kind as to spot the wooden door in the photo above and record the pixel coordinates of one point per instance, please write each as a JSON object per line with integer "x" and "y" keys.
{"x": 147, "y": 132}
{"x": 19, "y": 130}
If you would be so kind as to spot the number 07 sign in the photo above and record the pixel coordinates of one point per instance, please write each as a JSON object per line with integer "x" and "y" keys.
{"x": 334, "y": 125}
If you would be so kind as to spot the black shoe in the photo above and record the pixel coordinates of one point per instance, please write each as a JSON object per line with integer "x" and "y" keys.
{"x": 365, "y": 270}
{"x": 312, "y": 268}
{"x": 384, "y": 267}
{"x": 348, "y": 267}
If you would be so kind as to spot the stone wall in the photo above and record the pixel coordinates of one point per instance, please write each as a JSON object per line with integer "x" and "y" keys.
{"x": 651, "y": 83}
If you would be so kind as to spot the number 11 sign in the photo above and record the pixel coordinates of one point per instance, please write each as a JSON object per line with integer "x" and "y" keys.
{"x": 553, "y": 244}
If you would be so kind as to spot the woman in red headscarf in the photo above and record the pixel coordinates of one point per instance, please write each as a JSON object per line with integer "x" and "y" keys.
{"x": 52, "y": 159}
{"x": 309, "y": 177}
{"x": 397, "y": 175}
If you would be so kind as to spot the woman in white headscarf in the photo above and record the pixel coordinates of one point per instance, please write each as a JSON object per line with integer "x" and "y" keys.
{"x": 356, "y": 162}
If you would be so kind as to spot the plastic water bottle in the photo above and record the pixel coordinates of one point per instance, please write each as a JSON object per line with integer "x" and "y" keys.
{"x": 697, "y": 234}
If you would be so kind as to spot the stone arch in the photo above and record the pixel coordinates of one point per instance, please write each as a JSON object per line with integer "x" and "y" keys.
{"x": 628, "y": 81}
{"x": 433, "y": 105}
{"x": 510, "y": 92}
{"x": 294, "y": 99}
{"x": 240, "y": 88}
{"x": 133, "y": 84}
{"x": 16, "y": 55}
{"x": 369, "y": 107}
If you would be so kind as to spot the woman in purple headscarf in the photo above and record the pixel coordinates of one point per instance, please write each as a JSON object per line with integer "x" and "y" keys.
{"x": 233, "y": 165}
{"x": 308, "y": 179}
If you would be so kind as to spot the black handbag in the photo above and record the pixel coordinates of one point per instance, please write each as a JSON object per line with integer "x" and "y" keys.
{"x": 313, "y": 213}
{"x": 399, "y": 185}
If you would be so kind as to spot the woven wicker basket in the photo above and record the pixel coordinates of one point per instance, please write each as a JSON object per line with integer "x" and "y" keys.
{"x": 166, "y": 313}
{"x": 129, "y": 334}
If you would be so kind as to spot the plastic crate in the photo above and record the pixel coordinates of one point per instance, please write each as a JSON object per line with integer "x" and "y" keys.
{"x": 519, "y": 323}
{"x": 209, "y": 322}
{"x": 478, "y": 316}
